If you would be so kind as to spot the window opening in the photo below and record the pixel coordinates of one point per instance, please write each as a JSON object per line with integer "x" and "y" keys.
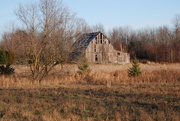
{"x": 101, "y": 36}
{"x": 94, "y": 48}
{"x": 96, "y": 40}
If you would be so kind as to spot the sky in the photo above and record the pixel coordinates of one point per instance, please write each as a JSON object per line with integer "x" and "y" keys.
{"x": 136, "y": 14}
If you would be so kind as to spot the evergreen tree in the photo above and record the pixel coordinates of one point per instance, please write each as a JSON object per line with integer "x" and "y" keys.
{"x": 6, "y": 59}
{"x": 135, "y": 70}
{"x": 3, "y": 57}
{"x": 83, "y": 66}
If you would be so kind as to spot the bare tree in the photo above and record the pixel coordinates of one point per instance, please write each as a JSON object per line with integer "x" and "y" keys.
{"x": 176, "y": 42}
{"x": 120, "y": 37}
{"x": 50, "y": 28}
{"x": 82, "y": 27}
{"x": 16, "y": 41}
{"x": 176, "y": 22}
{"x": 98, "y": 27}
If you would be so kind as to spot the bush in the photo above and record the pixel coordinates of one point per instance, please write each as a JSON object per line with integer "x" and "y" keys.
{"x": 7, "y": 70}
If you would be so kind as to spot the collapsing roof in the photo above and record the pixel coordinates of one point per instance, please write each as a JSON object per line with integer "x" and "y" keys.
{"x": 82, "y": 43}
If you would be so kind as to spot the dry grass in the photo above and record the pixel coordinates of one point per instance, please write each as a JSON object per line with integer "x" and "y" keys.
{"x": 91, "y": 102}
{"x": 107, "y": 93}
{"x": 100, "y": 74}
{"x": 72, "y": 68}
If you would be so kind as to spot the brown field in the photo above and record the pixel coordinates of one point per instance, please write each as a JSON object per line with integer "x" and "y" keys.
{"x": 107, "y": 93}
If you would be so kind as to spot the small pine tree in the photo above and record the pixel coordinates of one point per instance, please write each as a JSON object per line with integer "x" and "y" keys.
{"x": 135, "y": 70}
{"x": 6, "y": 59}
{"x": 3, "y": 57}
{"x": 83, "y": 66}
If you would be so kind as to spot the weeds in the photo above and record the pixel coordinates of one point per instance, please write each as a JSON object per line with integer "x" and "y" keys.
{"x": 154, "y": 95}
{"x": 91, "y": 103}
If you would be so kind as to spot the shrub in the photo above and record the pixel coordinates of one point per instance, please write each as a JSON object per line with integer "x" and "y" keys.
{"x": 6, "y": 70}
{"x": 135, "y": 70}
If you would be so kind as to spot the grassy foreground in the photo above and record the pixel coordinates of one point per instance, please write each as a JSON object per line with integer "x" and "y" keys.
{"x": 155, "y": 95}
{"x": 92, "y": 102}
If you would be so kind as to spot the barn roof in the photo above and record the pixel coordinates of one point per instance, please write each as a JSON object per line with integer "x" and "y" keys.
{"x": 82, "y": 43}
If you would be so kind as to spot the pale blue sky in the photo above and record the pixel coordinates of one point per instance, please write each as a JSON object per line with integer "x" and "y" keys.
{"x": 111, "y": 13}
{"x": 135, "y": 13}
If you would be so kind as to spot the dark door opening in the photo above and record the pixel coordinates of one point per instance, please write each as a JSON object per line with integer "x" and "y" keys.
{"x": 96, "y": 58}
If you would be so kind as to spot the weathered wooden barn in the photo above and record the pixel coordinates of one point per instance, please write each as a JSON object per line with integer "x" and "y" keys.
{"x": 98, "y": 49}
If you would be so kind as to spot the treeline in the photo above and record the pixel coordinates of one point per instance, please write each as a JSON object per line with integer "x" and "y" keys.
{"x": 48, "y": 29}
{"x": 160, "y": 44}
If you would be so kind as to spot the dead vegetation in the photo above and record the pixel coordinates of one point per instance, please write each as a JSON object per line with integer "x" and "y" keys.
{"x": 100, "y": 74}
{"x": 107, "y": 94}
{"x": 92, "y": 102}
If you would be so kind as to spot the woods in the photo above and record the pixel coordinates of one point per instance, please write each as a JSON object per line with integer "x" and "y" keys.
{"x": 159, "y": 44}
{"x": 49, "y": 28}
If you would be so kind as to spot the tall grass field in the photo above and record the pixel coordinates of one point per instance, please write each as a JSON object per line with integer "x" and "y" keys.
{"x": 105, "y": 94}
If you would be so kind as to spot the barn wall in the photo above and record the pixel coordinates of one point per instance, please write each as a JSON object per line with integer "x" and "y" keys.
{"x": 100, "y": 50}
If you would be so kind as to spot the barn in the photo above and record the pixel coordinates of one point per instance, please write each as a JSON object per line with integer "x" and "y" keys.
{"x": 97, "y": 49}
